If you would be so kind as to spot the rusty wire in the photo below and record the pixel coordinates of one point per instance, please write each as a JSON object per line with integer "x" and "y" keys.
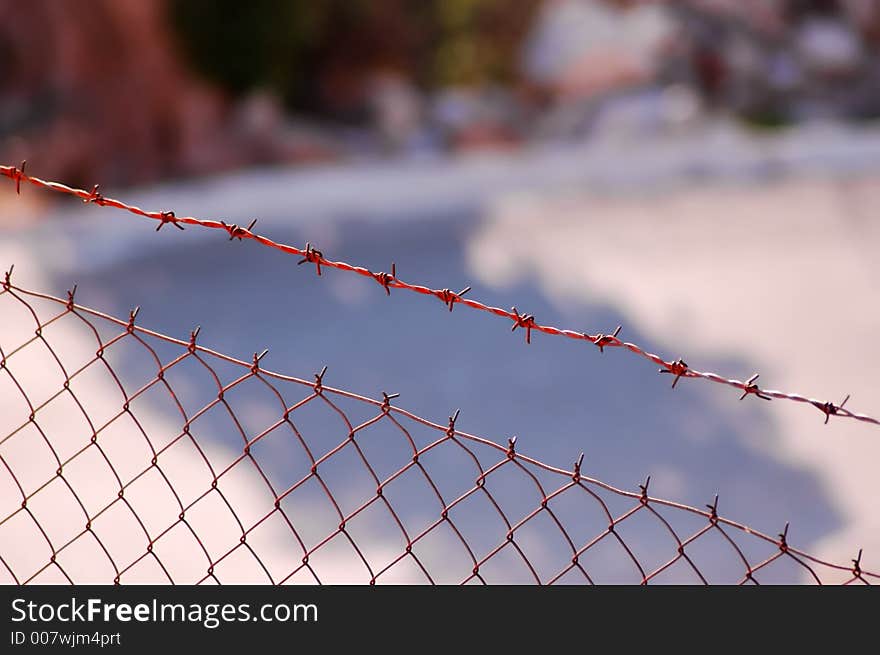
{"x": 678, "y": 368}
{"x": 551, "y": 486}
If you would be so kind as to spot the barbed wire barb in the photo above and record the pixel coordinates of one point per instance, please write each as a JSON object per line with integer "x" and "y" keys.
{"x": 168, "y": 217}
{"x": 602, "y": 340}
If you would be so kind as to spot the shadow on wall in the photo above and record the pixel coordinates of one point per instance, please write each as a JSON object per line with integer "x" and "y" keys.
{"x": 559, "y": 402}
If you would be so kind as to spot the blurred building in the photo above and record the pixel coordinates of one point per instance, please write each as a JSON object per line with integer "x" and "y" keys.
{"x": 770, "y": 62}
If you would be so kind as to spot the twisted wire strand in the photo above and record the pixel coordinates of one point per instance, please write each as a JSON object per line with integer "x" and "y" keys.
{"x": 527, "y": 322}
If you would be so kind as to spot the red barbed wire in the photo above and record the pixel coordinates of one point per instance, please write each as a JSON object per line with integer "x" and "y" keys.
{"x": 678, "y": 368}
{"x": 551, "y": 484}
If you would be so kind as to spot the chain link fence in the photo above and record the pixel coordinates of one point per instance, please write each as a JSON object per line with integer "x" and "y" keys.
{"x": 129, "y": 456}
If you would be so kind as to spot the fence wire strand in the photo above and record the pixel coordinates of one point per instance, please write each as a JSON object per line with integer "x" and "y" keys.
{"x": 125, "y": 537}
{"x": 678, "y": 368}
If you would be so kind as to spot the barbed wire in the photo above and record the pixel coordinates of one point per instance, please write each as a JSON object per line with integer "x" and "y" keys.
{"x": 483, "y": 463}
{"x": 678, "y": 368}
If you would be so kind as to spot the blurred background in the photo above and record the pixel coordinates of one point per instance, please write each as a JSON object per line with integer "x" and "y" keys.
{"x": 133, "y": 92}
{"x": 702, "y": 172}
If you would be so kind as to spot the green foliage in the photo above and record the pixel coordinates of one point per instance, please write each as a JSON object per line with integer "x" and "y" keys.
{"x": 315, "y": 54}
{"x": 242, "y": 45}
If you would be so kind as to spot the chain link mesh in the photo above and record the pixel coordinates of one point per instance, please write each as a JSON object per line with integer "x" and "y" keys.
{"x": 130, "y": 456}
